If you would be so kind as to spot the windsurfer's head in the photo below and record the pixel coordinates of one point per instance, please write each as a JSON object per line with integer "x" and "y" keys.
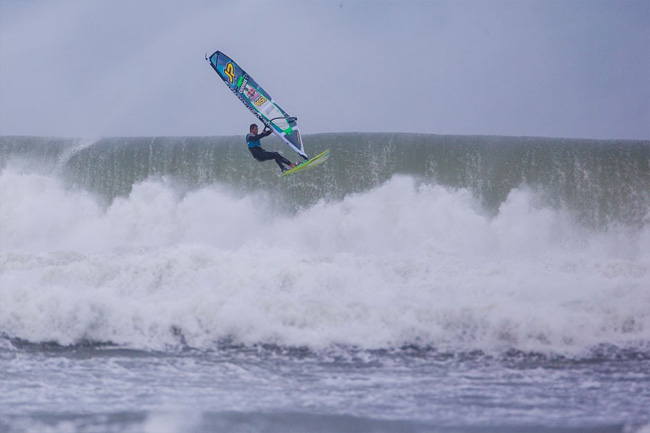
{"x": 253, "y": 128}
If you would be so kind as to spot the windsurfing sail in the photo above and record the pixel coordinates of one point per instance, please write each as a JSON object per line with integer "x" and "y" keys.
{"x": 258, "y": 101}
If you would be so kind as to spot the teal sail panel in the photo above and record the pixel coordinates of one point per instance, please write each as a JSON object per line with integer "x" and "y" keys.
{"x": 258, "y": 101}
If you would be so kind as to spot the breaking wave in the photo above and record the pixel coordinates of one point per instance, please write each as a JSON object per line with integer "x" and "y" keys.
{"x": 457, "y": 243}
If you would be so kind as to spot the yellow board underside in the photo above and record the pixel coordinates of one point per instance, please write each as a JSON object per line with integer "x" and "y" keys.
{"x": 314, "y": 162}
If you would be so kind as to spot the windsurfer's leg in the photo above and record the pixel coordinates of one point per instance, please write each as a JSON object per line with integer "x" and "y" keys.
{"x": 262, "y": 155}
{"x": 281, "y": 160}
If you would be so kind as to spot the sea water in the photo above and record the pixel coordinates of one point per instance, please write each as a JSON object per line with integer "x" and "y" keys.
{"x": 414, "y": 283}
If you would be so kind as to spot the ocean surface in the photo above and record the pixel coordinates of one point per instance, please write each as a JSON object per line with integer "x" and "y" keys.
{"x": 413, "y": 283}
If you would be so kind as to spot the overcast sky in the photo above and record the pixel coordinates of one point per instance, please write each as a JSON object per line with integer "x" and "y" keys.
{"x": 133, "y": 67}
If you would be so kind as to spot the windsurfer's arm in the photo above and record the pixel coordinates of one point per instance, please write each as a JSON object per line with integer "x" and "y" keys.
{"x": 265, "y": 133}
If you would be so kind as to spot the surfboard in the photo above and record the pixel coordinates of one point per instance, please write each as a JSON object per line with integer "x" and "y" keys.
{"x": 314, "y": 162}
{"x": 258, "y": 101}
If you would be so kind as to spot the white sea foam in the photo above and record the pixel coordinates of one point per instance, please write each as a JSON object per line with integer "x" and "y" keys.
{"x": 402, "y": 263}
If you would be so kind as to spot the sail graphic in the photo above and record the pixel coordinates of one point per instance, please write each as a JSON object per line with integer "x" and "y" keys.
{"x": 258, "y": 101}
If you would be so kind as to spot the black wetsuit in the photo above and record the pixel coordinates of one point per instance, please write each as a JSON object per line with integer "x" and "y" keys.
{"x": 260, "y": 154}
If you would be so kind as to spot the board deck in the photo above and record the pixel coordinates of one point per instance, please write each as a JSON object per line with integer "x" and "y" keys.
{"x": 314, "y": 162}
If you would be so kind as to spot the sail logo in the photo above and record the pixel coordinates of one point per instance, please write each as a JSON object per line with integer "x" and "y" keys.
{"x": 229, "y": 70}
{"x": 242, "y": 87}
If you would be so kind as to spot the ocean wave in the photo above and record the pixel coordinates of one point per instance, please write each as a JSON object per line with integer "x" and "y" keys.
{"x": 404, "y": 263}
{"x": 600, "y": 182}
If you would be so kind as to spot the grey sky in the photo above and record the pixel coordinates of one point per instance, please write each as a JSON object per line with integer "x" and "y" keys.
{"x": 121, "y": 67}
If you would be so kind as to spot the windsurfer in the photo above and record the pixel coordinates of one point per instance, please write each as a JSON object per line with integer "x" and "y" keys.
{"x": 255, "y": 147}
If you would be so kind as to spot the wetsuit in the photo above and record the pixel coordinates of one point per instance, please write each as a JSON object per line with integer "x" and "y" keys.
{"x": 260, "y": 154}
